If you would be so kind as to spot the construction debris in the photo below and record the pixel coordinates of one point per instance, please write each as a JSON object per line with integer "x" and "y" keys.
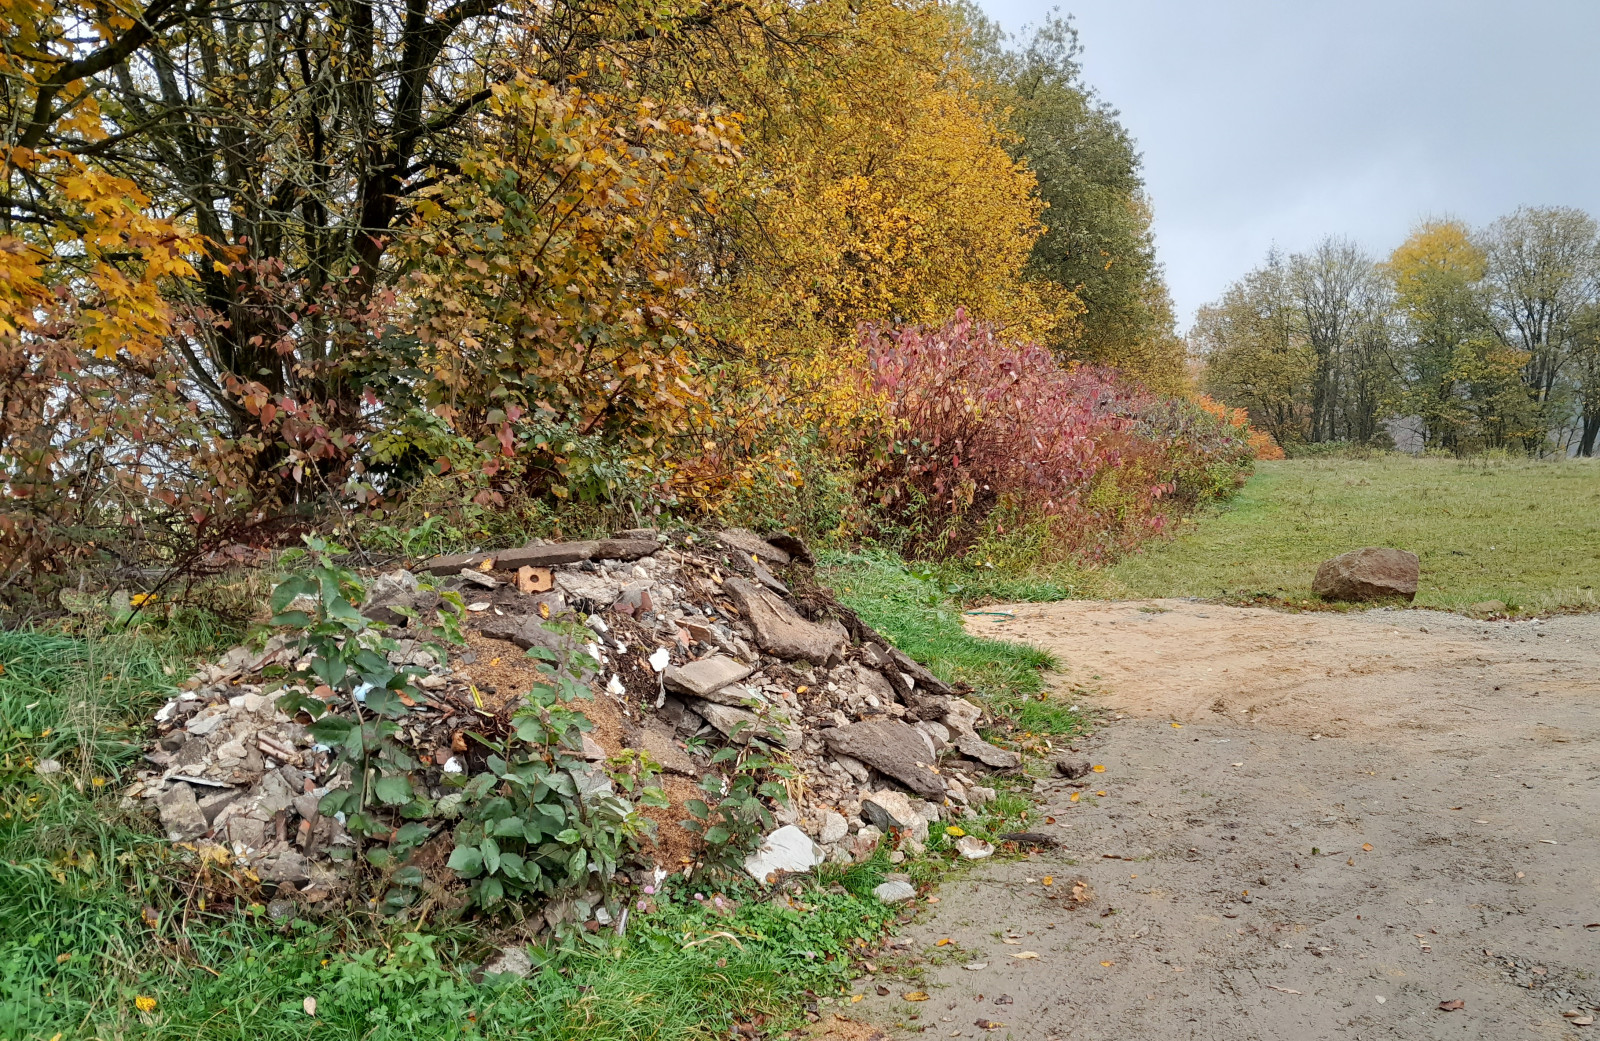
{"x": 691, "y": 642}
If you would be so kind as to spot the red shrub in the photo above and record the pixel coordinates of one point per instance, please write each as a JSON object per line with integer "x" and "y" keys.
{"x": 981, "y": 429}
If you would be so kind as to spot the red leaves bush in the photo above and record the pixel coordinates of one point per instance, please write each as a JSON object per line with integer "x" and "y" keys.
{"x": 982, "y": 433}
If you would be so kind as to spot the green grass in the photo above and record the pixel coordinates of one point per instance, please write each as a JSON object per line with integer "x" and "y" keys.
{"x": 1524, "y": 533}
{"x": 82, "y": 880}
{"x": 921, "y": 613}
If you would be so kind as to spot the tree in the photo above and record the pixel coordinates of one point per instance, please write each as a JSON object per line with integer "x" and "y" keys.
{"x": 1339, "y": 299}
{"x": 1096, "y": 239}
{"x": 1542, "y": 267}
{"x": 1255, "y": 354}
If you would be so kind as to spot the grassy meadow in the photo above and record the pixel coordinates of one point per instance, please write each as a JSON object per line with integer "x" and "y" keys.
{"x": 1524, "y": 533}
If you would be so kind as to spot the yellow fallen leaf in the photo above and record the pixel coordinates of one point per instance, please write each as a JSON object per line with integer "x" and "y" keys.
{"x": 144, "y": 1003}
{"x": 1367, "y": 846}
{"x": 1106, "y": 965}
{"x": 944, "y": 942}
{"x": 487, "y": 565}
{"x": 915, "y": 995}
{"x": 855, "y": 998}
{"x": 1049, "y": 880}
{"x": 1100, "y": 793}
{"x": 953, "y": 830}
{"x": 801, "y": 690}
{"x": 1100, "y": 768}
{"x": 1177, "y": 726}
{"x": 1026, "y": 956}
{"x": 493, "y": 662}
{"x": 1073, "y": 797}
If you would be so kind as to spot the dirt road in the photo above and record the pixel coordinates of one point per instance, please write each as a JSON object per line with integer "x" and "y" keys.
{"x": 1355, "y": 818}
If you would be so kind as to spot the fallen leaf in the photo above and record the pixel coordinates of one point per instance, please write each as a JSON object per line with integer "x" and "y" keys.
{"x": 1552, "y": 842}
{"x": 1451, "y": 1006}
{"x": 487, "y": 565}
{"x": 1014, "y": 943}
{"x": 1582, "y": 1021}
{"x": 984, "y": 1024}
{"x": 943, "y": 942}
{"x": 953, "y": 830}
{"x": 1100, "y": 768}
{"x": 1282, "y": 990}
{"x": 1005, "y": 999}
{"x": 882, "y": 990}
{"x": 144, "y": 1003}
{"x": 1073, "y": 797}
{"x": 1049, "y": 820}
{"x": 1026, "y": 956}
{"x": 310, "y": 1005}
{"x": 1102, "y": 794}
{"x": 974, "y": 966}
{"x": 1106, "y": 964}
{"x": 1367, "y": 846}
{"x": 915, "y": 995}
{"x": 1238, "y": 764}
{"x": 855, "y": 998}
{"x": 1048, "y": 880}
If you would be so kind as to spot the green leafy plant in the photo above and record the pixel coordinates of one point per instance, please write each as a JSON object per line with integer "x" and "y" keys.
{"x": 732, "y": 817}
{"x": 541, "y": 820}
{"x": 355, "y": 697}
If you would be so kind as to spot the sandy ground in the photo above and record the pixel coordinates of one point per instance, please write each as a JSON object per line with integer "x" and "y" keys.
{"x": 1355, "y": 818}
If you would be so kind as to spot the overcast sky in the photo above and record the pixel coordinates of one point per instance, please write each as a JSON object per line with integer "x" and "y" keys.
{"x": 1280, "y": 121}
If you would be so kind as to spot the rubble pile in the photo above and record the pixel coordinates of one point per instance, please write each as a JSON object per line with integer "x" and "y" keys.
{"x": 690, "y": 643}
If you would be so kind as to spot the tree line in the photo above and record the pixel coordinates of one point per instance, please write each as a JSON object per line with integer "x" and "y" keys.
{"x": 1462, "y": 339}
{"x": 270, "y": 258}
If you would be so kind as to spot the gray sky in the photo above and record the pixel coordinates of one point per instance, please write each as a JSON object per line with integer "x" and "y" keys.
{"x": 1280, "y": 121}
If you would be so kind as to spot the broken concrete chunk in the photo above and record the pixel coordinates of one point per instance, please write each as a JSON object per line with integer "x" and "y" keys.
{"x": 526, "y": 631}
{"x": 580, "y": 585}
{"x": 702, "y": 677}
{"x": 284, "y": 867}
{"x": 625, "y": 549}
{"x": 791, "y": 545}
{"x": 592, "y": 750}
{"x": 894, "y": 892}
{"x": 474, "y": 577}
{"x": 975, "y": 747}
{"x": 893, "y": 748}
{"x": 786, "y": 851}
{"x": 727, "y": 719}
{"x": 452, "y": 563}
{"x": 768, "y": 579}
{"x": 919, "y": 672}
{"x": 181, "y": 816}
{"x": 658, "y": 742}
{"x": 779, "y": 629}
{"x": 1072, "y": 768}
{"x": 961, "y": 714}
{"x": 743, "y": 540}
{"x": 834, "y": 828}
{"x": 510, "y": 961}
{"x": 736, "y": 694}
{"x": 544, "y": 556}
{"x": 891, "y": 809}
{"x": 938, "y": 732}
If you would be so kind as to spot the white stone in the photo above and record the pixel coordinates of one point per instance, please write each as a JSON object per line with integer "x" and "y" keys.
{"x": 834, "y": 828}
{"x": 788, "y": 849}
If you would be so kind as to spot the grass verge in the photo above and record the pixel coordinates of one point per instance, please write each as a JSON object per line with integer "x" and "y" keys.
{"x": 921, "y": 612}
{"x": 1524, "y": 533}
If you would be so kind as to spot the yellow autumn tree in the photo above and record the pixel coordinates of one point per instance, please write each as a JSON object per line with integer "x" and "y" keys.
{"x": 876, "y": 189}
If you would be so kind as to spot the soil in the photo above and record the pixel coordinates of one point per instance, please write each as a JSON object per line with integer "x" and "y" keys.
{"x": 1308, "y": 826}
